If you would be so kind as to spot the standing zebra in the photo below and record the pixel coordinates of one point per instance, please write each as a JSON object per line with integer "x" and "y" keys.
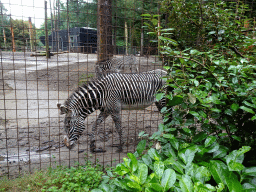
{"x": 110, "y": 94}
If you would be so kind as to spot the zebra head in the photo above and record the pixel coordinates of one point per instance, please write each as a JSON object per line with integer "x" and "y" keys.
{"x": 68, "y": 117}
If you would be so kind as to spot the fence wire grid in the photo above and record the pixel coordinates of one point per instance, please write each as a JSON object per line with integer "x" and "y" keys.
{"x": 32, "y": 82}
{"x": 48, "y": 49}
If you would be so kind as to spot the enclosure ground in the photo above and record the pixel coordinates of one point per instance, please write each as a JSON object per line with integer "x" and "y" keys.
{"x": 30, "y": 126}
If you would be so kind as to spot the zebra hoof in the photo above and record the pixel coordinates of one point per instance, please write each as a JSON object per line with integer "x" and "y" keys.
{"x": 99, "y": 150}
{"x": 94, "y": 150}
{"x": 115, "y": 145}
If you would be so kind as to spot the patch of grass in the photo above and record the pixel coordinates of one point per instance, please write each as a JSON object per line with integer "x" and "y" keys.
{"x": 84, "y": 78}
{"x": 26, "y": 182}
{"x": 77, "y": 178}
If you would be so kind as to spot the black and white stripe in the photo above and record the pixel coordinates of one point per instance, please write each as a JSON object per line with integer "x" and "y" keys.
{"x": 110, "y": 95}
{"x": 117, "y": 65}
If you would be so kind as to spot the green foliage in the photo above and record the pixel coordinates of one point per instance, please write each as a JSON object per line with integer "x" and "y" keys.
{"x": 211, "y": 105}
{"x": 78, "y": 178}
{"x": 181, "y": 166}
{"x": 202, "y": 25}
{"x": 215, "y": 87}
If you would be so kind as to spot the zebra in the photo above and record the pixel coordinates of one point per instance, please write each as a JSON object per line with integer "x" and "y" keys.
{"x": 110, "y": 94}
{"x": 116, "y": 65}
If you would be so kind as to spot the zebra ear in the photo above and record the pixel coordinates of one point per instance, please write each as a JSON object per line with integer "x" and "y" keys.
{"x": 62, "y": 108}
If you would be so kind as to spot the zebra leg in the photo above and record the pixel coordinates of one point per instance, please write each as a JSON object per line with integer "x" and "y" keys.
{"x": 102, "y": 116}
{"x": 160, "y": 104}
{"x": 117, "y": 120}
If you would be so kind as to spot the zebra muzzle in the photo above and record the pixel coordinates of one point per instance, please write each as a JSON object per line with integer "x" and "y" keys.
{"x": 69, "y": 144}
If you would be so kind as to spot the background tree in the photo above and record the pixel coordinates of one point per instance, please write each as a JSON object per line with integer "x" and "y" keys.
{"x": 5, "y": 29}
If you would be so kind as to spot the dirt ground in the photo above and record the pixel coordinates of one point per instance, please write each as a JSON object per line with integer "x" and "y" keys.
{"x": 31, "y": 130}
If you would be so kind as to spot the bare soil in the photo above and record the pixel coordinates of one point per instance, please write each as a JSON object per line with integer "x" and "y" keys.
{"x": 31, "y": 130}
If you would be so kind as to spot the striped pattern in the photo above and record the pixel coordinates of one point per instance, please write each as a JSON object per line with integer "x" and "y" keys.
{"x": 110, "y": 95}
{"x": 119, "y": 64}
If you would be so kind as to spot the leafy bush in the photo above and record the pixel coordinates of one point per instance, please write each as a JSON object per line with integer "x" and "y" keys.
{"x": 213, "y": 90}
{"x": 202, "y": 165}
{"x": 209, "y": 121}
{"x": 78, "y": 178}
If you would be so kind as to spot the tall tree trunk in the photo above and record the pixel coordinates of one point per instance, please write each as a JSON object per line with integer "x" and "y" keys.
{"x": 104, "y": 30}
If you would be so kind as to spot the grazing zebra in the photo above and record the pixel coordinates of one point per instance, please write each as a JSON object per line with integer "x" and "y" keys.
{"x": 110, "y": 94}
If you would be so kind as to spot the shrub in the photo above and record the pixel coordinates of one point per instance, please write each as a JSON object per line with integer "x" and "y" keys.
{"x": 202, "y": 165}
{"x": 77, "y": 178}
{"x": 212, "y": 87}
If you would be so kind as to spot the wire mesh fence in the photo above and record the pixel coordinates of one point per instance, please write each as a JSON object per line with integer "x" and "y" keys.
{"x": 48, "y": 49}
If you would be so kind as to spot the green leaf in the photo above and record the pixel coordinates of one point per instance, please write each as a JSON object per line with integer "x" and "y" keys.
{"x": 156, "y": 186}
{"x": 154, "y": 154}
{"x": 96, "y": 190}
{"x": 134, "y": 185}
{"x": 235, "y": 166}
{"x": 220, "y": 187}
{"x": 220, "y": 153}
{"x": 202, "y": 174}
{"x": 232, "y": 182}
{"x": 145, "y": 15}
{"x": 142, "y": 173}
{"x": 141, "y": 146}
{"x": 168, "y": 136}
{"x": 175, "y": 143}
{"x": 215, "y": 110}
{"x": 209, "y": 141}
{"x": 211, "y": 32}
{"x": 122, "y": 183}
{"x": 147, "y": 160}
{"x": 251, "y": 171}
{"x": 168, "y": 179}
{"x": 202, "y": 114}
{"x": 178, "y": 166}
{"x": 186, "y": 184}
{"x": 168, "y": 29}
{"x": 199, "y": 137}
{"x": 193, "y": 52}
{"x": 214, "y": 147}
{"x": 168, "y": 150}
{"x": 236, "y": 137}
{"x": 247, "y": 109}
{"x": 159, "y": 96}
{"x": 187, "y": 155}
{"x": 196, "y": 115}
{"x": 234, "y": 107}
{"x": 134, "y": 162}
{"x": 135, "y": 178}
{"x": 198, "y": 186}
{"x": 218, "y": 170}
{"x": 176, "y": 100}
{"x": 159, "y": 168}
{"x": 148, "y": 189}
{"x": 187, "y": 130}
{"x": 249, "y": 104}
{"x": 122, "y": 169}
